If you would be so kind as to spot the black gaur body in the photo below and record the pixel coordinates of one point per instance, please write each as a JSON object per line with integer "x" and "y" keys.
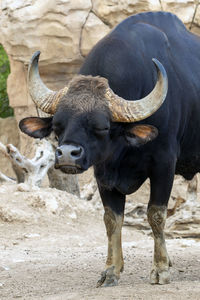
{"x": 125, "y": 154}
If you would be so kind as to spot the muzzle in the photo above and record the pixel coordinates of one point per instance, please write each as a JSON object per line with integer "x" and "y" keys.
{"x": 68, "y": 159}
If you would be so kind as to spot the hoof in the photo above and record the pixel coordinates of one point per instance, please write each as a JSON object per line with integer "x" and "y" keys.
{"x": 108, "y": 278}
{"x": 159, "y": 277}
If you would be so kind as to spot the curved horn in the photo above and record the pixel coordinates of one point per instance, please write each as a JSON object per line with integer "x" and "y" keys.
{"x": 131, "y": 111}
{"x": 44, "y": 98}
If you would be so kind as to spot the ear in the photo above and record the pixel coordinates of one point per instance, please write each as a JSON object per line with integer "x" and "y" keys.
{"x": 141, "y": 134}
{"x": 36, "y": 127}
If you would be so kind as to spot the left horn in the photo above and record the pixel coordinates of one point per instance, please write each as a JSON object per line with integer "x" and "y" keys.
{"x": 131, "y": 111}
{"x": 44, "y": 98}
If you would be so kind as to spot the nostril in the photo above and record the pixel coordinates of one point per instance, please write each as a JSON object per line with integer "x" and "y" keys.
{"x": 68, "y": 154}
{"x": 76, "y": 152}
{"x": 59, "y": 152}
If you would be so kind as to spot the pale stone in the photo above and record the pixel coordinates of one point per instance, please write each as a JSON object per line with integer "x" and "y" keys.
{"x": 195, "y": 29}
{"x": 184, "y": 9}
{"x": 197, "y": 18}
{"x": 16, "y": 84}
{"x": 114, "y": 11}
{"x": 9, "y": 133}
{"x": 35, "y": 205}
{"x": 53, "y": 27}
{"x": 93, "y": 31}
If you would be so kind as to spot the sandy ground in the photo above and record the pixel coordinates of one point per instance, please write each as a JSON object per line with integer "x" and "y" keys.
{"x": 59, "y": 259}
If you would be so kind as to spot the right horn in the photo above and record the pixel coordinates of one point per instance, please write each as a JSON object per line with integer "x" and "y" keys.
{"x": 135, "y": 110}
{"x": 44, "y": 98}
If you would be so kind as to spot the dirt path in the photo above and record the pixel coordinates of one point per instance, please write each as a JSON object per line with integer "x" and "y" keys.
{"x": 58, "y": 260}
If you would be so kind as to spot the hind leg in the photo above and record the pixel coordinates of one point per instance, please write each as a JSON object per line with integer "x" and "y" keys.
{"x": 161, "y": 262}
{"x": 161, "y": 185}
{"x": 113, "y": 202}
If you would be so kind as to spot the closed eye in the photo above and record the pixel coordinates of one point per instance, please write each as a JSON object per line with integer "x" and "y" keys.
{"x": 101, "y": 131}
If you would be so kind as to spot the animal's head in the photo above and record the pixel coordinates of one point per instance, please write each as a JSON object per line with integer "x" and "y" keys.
{"x": 86, "y": 116}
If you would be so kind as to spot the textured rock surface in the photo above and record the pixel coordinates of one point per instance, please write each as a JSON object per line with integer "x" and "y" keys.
{"x": 113, "y": 12}
{"x": 184, "y": 9}
{"x": 8, "y": 135}
{"x": 53, "y": 27}
{"x": 94, "y": 29}
{"x": 33, "y": 205}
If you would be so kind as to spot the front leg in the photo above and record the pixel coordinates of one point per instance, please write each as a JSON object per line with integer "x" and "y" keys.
{"x": 161, "y": 185}
{"x": 113, "y": 202}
